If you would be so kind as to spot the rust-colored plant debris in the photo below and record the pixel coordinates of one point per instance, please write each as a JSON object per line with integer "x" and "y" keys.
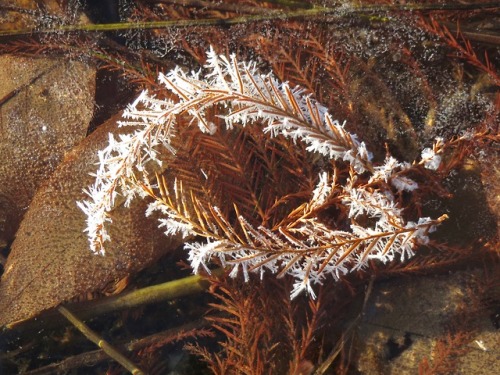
{"x": 293, "y": 209}
{"x": 264, "y": 332}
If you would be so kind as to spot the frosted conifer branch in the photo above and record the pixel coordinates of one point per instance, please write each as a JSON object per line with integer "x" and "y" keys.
{"x": 311, "y": 252}
{"x": 122, "y": 159}
{"x": 251, "y": 97}
{"x": 302, "y": 246}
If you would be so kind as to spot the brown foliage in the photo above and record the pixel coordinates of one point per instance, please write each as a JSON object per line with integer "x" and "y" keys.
{"x": 386, "y": 86}
{"x": 263, "y": 331}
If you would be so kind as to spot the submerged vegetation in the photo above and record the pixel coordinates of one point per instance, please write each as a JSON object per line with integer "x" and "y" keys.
{"x": 283, "y": 144}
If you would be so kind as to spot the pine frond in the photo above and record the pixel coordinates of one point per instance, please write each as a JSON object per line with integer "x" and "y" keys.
{"x": 213, "y": 182}
{"x": 288, "y": 62}
{"x": 248, "y": 332}
{"x": 241, "y": 168}
{"x": 262, "y": 98}
{"x": 462, "y": 47}
{"x": 305, "y": 249}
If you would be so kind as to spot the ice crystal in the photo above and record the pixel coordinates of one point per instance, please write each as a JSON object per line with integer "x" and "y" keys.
{"x": 431, "y": 159}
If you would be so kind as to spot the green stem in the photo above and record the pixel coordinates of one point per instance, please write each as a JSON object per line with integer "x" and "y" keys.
{"x": 92, "y": 358}
{"x": 293, "y": 4}
{"x": 303, "y": 13}
{"x": 221, "y": 6}
{"x": 152, "y": 294}
{"x": 100, "y": 342}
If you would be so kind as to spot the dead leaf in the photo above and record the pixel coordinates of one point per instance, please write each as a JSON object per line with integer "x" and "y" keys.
{"x": 45, "y": 108}
{"x": 50, "y": 261}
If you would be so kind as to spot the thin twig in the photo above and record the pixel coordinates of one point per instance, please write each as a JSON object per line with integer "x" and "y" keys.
{"x": 224, "y": 7}
{"x": 303, "y": 13}
{"x": 348, "y": 332}
{"x": 480, "y": 37}
{"x": 100, "y": 342}
{"x": 94, "y": 357}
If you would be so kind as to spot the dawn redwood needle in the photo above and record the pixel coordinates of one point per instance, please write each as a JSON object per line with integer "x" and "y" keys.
{"x": 301, "y": 245}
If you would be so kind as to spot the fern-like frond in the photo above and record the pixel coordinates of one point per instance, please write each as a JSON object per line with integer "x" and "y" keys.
{"x": 216, "y": 181}
{"x": 253, "y": 97}
{"x": 305, "y": 249}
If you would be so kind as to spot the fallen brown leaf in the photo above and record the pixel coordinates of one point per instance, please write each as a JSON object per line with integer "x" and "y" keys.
{"x": 50, "y": 261}
{"x": 45, "y": 108}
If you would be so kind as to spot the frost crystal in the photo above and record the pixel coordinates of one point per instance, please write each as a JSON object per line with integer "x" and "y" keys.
{"x": 430, "y": 159}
